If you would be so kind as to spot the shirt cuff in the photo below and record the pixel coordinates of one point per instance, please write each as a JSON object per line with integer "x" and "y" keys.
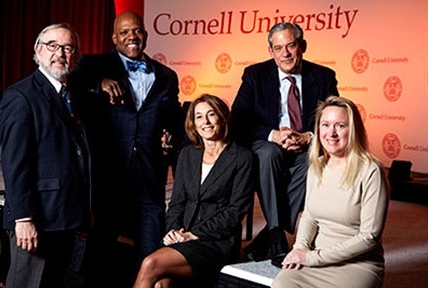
{"x": 270, "y": 136}
{"x": 26, "y": 219}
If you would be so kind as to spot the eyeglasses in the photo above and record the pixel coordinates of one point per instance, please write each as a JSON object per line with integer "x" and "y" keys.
{"x": 53, "y": 47}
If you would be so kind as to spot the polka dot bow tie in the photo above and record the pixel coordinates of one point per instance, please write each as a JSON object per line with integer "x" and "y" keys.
{"x": 137, "y": 65}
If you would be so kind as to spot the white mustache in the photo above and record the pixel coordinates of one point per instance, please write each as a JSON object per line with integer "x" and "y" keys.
{"x": 60, "y": 60}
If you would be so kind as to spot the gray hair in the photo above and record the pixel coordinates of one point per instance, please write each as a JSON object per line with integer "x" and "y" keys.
{"x": 57, "y": 26}
{"x": 297, "y": 30}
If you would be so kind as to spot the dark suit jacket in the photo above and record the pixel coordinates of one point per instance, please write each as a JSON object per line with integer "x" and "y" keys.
{"x": 43, "y": 158}
{"x": 256, "y": 106}
{"x": 120, "y": 135}
{"x": 214, "y": 210}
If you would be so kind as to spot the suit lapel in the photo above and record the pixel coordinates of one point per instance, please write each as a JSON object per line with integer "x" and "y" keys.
{"x": 121, "y": 74}
{"x": 49, "y": 95}
{"x": 272, "y": 89}
{"x": 225, "y": 160}
{"x": 194, "y": 173}
{"x": 310, "y": 91}
{"x": 157, "y": 84}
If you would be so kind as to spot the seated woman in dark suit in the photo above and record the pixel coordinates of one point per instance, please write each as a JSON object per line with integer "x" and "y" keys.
{"x": 211, "y": 195}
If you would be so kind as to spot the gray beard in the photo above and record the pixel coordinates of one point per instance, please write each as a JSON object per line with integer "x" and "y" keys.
{"x": 58, "y": 75}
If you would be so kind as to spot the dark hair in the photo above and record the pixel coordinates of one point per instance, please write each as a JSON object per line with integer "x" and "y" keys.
{"x": 219, "y": 107}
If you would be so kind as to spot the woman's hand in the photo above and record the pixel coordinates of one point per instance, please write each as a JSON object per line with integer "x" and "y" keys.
{"x": 176, "y": 236}
{"x": 296, "y": 259}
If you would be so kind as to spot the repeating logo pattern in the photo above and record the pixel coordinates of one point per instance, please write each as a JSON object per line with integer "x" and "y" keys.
{"x": 362, "y": 111}
{"x": 391, "y": 145}
{"x": 188, "y": 85}
{"x": 360, "y": 61}
{"x": 223, "y": 63}
{"x": 160, "y": 58}
{"x": 392, "y": 88}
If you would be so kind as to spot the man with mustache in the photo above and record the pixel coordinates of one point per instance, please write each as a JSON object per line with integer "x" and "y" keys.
{"x": 45, "y": 166}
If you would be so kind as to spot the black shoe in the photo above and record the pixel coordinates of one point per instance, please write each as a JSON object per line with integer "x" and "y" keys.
{"x": 258, "y": 249}
{"x": 277, "y": 260}
{"x": 279, "y": 246}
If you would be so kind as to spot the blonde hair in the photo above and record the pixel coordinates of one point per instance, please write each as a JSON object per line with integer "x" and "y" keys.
{"x": 358, "y": 151}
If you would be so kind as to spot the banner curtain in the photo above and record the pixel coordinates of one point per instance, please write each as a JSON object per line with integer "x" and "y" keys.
{"x": 22, "y": 20}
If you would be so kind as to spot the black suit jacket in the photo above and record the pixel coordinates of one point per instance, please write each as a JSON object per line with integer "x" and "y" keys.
{"x": 214, "y": 209}
{"x": 255, "y": 108}
{"x": 120, "y": 135}
{"x": 44, "y": 158}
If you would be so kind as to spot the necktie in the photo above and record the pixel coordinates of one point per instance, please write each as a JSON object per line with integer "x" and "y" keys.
{"x": 137, "y": 65}
{"x": 65, "y": 95}
{"x": 293, "y": 102}
{"x": 67, "y": 100}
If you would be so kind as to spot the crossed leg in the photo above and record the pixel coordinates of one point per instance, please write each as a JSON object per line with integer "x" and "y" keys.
{"x": 161, "y": 267}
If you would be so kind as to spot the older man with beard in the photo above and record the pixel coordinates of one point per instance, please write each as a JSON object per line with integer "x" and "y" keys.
{"x": 45, "y": 165}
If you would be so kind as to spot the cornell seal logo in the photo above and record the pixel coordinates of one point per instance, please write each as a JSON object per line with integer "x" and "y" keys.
{"x": 360, "y": 61}
{"x": 391, "y": 145}
{"x": 188, "y": 85}
{"x": 223, "y": 63}
{"x": 160, "y": 58}
{"x": 392, "y": 88}
{"x": 362, "y": 112}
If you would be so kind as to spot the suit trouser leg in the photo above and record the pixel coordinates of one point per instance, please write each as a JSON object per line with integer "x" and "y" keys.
{"x": 25, "y": 269}
{"x": 45, "y": 268}
{"x": 282, "y": 184}
{"x": 296, "y": 192}
{"x": 269, "y": 158}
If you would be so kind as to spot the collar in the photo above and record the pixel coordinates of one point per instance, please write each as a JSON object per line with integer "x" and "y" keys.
{"x": 124, "y": 59}
{"x": 282, "y": 75}
{"x": 57, "y": 85}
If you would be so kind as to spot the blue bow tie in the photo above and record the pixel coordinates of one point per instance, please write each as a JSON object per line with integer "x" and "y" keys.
{"x": 137, "y": 65}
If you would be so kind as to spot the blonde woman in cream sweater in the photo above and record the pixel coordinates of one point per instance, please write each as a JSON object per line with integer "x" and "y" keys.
{"x": 339, "y": 238}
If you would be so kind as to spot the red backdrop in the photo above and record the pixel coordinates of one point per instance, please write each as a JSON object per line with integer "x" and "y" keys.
{"x": 22, "y": 20}
{"x": 129, "y": 5}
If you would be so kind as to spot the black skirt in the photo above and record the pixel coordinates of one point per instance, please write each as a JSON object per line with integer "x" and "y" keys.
{"x": 206, "y": 261}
